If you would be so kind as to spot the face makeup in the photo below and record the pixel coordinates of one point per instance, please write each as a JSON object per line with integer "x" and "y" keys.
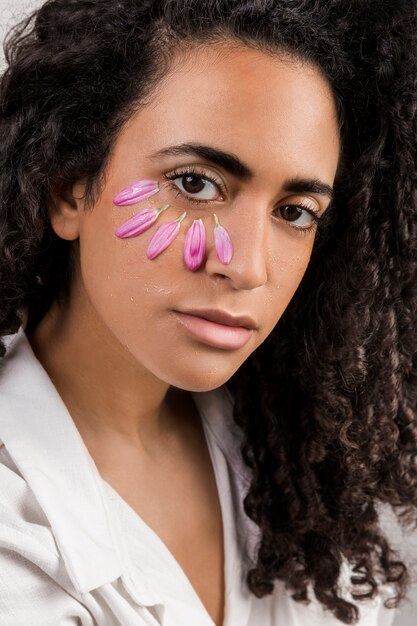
{"x": 195, "y": 239}
{"x": 136, "y": 192}
{"x": 163, "y": 237}
{"x": 223, "y": 243}
{"x": 290, "y": 130}
{"x": 139, "y": 222}
{"x": 195, "y": 245}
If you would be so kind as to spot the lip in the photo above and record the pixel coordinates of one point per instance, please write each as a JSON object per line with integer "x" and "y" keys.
{"x": 214, "y": 334}
{"x": 222, "y": 317}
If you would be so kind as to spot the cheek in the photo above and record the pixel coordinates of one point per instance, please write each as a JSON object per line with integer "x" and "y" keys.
{"x": 123, "y": 257}
{"x": 122, "y": 284}
{"x": 289, "y": 267}
{"x": 295, "y": 267}
{"x": 128, "y": 293}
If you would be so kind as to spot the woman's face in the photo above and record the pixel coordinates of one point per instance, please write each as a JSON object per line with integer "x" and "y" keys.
{"x": 275, "y": 116}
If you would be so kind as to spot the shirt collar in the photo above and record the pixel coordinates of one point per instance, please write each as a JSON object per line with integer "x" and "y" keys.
{"x": 48, "y": 450}
{"x": 216, "y": 409}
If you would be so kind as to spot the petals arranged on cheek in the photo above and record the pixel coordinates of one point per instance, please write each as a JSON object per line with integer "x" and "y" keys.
{"x": 164, "y": 236}
{"x": 136, "y": 192}
{"x": 195, "y": 245}
{"x": 222, "y": 242}
{"x": 139, "y": 222}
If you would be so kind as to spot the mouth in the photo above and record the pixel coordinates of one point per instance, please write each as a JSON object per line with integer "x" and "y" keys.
{"x": 223, "y": 317}
{"x": 214, "y": 333}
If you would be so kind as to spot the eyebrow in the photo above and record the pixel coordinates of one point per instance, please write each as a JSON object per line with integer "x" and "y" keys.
{"x": 309, "y": 185}
{"x": 232, "y": 164}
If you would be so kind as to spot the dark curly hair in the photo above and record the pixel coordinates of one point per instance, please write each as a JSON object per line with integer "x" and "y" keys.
{"x": 327, "y": 403}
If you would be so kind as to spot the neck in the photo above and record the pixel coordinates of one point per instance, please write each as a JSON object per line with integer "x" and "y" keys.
{"x": 107, "y": 392}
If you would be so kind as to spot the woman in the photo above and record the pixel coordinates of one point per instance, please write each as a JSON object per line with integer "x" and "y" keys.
{"x": 208, "y": 297}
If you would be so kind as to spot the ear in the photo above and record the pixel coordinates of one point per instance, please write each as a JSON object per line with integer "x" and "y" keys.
{"x": 65, "y": 204}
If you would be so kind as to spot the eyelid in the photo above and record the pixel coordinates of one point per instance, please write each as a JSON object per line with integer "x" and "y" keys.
{"x": 306, "y": 202}
{"x": 177, "y": 172}
{"x": 192, "y": 169}
{"x": 179, "y": 192}
{"x": 313, "y": 212}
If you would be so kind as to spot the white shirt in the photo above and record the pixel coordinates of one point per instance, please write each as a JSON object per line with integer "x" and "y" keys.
{"x": 74, "y": 553}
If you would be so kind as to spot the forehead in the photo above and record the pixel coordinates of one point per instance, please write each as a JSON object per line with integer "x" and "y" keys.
{"x": 273, "y": 111}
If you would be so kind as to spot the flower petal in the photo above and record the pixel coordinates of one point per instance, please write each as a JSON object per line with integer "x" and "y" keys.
{"x": 223, "y": 243}
{"x": 163, "y": 237}
{"x": 139, "y": 222}
{"x": 195, "y": 245}
{"x": 135, "y": 193}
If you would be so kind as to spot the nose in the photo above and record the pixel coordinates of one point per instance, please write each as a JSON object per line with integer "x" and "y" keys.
{"x": 248, "y": 231}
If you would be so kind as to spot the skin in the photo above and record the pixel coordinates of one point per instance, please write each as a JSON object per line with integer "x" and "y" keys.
{"x": 121, "y": 361}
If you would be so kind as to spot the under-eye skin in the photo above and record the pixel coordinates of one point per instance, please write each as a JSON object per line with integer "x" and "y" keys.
{"x": 192, "y": 171}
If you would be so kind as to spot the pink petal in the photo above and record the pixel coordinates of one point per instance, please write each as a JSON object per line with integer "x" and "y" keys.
{"x": 163, "y": 237}
{"x": 195, "y": 245}
{"x": 223, "y": 243}
{"x": 135, "y": 193}
{"x": 139, "y": 222}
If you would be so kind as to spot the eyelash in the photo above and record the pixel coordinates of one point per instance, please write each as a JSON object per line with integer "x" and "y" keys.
{"x": 188, "y": 171}
{"x": 191, "y": 170}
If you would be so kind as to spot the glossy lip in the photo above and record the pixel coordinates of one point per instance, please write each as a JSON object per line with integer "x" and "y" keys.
{"x": 214, "y": 334}
{"x": 222, "y": 317}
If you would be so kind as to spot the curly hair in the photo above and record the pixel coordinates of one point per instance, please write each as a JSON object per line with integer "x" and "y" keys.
{"x": 327, "y": 403}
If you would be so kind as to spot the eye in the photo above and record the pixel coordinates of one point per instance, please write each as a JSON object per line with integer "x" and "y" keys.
{"x": 301, "y": 217}
{"x": 194, "y": 185}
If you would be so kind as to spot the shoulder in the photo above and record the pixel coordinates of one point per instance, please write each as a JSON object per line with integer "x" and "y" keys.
{"x": 34, "y": 587}
{"x": 20, "y": 513}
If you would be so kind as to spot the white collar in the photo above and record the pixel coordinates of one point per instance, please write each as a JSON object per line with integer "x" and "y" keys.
{"x": 53, "y": 459}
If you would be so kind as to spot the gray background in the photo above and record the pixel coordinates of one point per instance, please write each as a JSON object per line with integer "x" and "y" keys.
{"x": 10, "y": 11}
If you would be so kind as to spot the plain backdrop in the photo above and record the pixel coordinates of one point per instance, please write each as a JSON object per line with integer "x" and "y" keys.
{"x": 10, "y": 12}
